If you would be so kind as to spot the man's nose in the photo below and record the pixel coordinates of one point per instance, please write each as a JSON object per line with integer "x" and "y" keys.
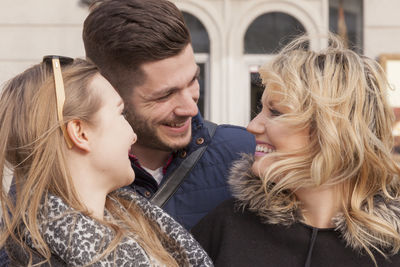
{"x": 187, "y": 104}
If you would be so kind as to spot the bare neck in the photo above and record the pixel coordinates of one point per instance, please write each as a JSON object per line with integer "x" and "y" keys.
{"x": 150, "y": 158}
{"x": 319, "y": 205}
{"x": 91, "y": 190}
{"x": 93, "y": 199}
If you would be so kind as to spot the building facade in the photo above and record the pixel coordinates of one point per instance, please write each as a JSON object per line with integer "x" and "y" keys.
{"x": 232, "y": 38}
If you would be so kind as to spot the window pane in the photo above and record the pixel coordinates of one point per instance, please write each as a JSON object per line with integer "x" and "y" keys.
{"x": 269, "y": 32}
{"x": 353, "y": 16}
{"x": 200, "y": 103}
{"x": 200, "y": 40}
{"x": 257, "y": 90}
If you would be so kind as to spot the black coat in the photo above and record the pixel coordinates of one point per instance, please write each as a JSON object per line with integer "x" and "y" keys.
{"x": 244, "y": 232}
{"x": 238, "y": 238}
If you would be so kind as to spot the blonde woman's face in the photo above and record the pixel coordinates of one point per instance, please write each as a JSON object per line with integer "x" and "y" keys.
{"x": 273, "y": 135}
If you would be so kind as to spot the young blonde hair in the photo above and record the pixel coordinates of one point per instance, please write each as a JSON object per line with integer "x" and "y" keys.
{"x": 33, "y": 146}
{"x": 341, "y": 97}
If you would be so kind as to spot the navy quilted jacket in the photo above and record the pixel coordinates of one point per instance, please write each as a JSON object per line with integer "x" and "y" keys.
{"x": 205, "y": 186}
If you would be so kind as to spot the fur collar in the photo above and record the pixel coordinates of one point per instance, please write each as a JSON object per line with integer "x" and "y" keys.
{"x": 249, "y": 192}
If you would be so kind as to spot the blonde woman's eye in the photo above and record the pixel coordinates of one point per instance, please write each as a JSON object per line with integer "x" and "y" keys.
{"x": 274, "y": 112}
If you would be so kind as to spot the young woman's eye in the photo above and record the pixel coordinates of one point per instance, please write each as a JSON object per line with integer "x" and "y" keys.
{"x": 274, "y": 112}
{"x": 124, "y": 113}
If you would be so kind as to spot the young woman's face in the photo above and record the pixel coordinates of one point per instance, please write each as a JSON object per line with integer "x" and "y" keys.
{"x": 272, "y": 135}
{"x": 111, "y": 137}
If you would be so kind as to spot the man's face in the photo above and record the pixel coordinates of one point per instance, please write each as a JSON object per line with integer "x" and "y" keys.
{"x": 161, "y": 109}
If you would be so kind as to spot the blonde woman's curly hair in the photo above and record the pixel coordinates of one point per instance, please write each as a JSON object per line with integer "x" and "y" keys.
{"x": 341, "y": 97}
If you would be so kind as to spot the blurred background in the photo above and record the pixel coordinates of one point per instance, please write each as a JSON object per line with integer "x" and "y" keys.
{"x": 231, "y": 39}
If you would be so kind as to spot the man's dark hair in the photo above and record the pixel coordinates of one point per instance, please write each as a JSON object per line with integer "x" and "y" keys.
{"x": 120, "y": 35}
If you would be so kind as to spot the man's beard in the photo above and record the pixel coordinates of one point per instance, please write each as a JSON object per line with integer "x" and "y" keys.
{"x": 147, "y": 134}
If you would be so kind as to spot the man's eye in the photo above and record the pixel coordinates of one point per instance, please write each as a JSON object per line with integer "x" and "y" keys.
{"x": 274, "y": 112}
{"x": 165, "y": 96}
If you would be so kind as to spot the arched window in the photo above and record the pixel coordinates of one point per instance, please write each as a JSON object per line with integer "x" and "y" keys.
{"x": 266, "y": 35}
{"x": 201, "y": 47}
{"x": 269, "y": 32}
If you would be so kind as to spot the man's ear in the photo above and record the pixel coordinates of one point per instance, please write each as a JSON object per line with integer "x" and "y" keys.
{"x": 77, "y": 132}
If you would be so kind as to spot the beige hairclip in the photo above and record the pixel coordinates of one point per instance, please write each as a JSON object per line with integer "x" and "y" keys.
{"x": 60, "y": 95}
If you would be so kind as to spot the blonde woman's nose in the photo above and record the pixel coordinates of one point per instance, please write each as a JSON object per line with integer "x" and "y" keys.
{"x": 256, "y": 126}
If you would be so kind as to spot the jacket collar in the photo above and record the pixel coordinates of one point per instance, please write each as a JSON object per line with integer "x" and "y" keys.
{"x": 145, "y": 181}
{"x": 199, "y": 132}
{"x": 249, "y": 193}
